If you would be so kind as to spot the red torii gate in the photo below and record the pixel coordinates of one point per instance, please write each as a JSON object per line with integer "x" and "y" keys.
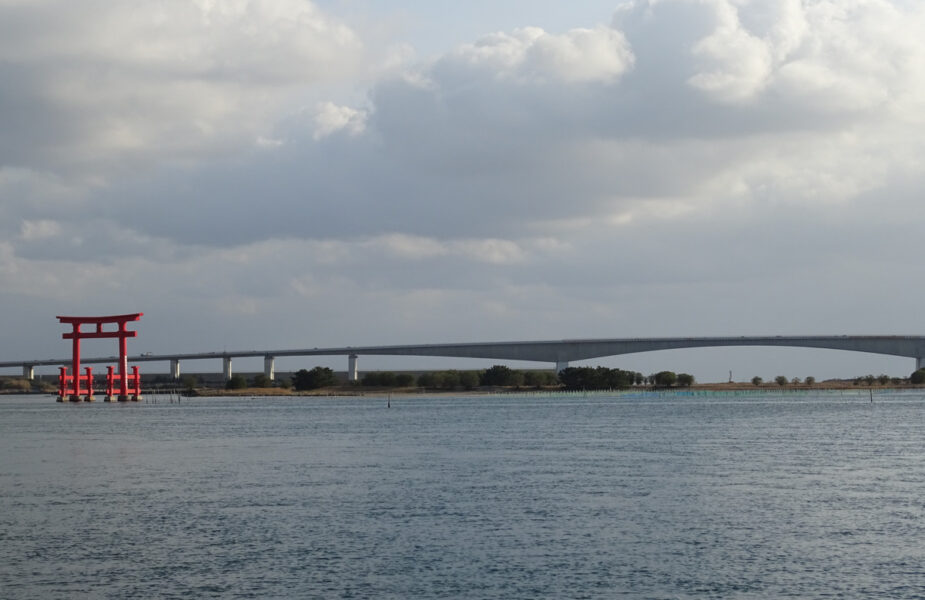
{"x": 72, "y": 386}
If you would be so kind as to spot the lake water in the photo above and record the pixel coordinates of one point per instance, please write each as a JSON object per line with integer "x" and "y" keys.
{"x": 600, "y": 496}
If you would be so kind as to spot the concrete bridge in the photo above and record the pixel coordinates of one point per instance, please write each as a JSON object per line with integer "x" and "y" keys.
{"x": 558, "y": 352}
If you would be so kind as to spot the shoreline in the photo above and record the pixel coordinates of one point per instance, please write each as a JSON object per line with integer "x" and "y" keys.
{"x": 360, "y": 391}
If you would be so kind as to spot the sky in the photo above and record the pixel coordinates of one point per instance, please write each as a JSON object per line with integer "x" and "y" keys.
{"x": 294, "y": 174}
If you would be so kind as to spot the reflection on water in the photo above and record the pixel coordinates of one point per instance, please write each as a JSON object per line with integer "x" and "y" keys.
{"x": 500, "y": 497}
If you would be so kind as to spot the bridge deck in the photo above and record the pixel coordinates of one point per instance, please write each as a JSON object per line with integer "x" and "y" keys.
{"x": 557, "y": 351}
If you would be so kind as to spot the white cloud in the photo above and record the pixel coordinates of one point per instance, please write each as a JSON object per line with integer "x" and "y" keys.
{"x": 741, "y": 62}
{"x": 407, "y": 247}
{"x": 865, "y": 55}
{"x": 494, "y": 251}
{"x": 330, "y": 118}
{"x": 834, "y": 55}
{"x": 533, "y": 55}
{"x": 39, "y": 230}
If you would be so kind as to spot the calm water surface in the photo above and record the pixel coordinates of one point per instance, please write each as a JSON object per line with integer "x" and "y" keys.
{"x": 806, "y": 496}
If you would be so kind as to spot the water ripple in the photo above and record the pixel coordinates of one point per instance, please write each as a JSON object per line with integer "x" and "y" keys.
{"x": 596, "y": 497}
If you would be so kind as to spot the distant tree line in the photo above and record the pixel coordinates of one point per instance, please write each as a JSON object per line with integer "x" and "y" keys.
{"x": 880, "y": 379}
{"x": 317, "y": 377}
{"x": 602, "y": 378}
{"x": 496, "y": 376}
{"x": 303, "y": 379}
{"x": 387, "y": 379}
{"x": 598, "y": 378}
{"x": 916, "y": 378}
{"x": 571, "y": 378}
{"x": 449, "y": 380}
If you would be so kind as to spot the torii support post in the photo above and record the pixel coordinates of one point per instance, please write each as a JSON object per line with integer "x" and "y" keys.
{"x": 62, "y": 383}
{"x": 89, "y": 396}
{"x": 136, "y": 384}
{"x": 70, "y": 387}
{"x": 110, "y": 378}
{"x": 121, "y": 321}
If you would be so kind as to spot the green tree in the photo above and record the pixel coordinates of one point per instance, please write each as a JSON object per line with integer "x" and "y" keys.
{"x": 388, "y": 379}
{"x": 427, "y": 380}
{"x": 499, "y": 375}
{"x": 810, "y": 380}
{"x": 262, "y": 381}
{"x": 518, "y": 379}
{"x": 580, "y": 378}
{"x": 189, "y": 382}
{"x": 602, "y": 378}
{"x": 616, "y": 379}
{"x": 379, "y": 379}
{"x": 917, "y": 378}
{"x": 781, "y": 380}
{"x": 447, "y": 380}
{"x": 534, "y": 378}
{"x": 685, "y": 379}
{"x": 237, "y": 382}
{"x": 318, "y": 377}
{"x": 469, "y": 380}
{"x": 540, "y": 378}
{"x": 756, "y": 381}
{"x": 404, "y": 380}
{"x": 665, "y": 378}
{"x": 883, "y": 379}
{"x": 795, "y": 381}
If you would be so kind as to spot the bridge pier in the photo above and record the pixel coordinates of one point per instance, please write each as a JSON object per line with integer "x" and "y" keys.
{"x": 226, "y": 368}
{"x": 561, "y": 365}
{"x": 269, "y": 367}
{"x": 352, "y": 373}
{"x": 28, "y": 372}
{"x": 175, "y": 369}
{"x": 920, "y": 363}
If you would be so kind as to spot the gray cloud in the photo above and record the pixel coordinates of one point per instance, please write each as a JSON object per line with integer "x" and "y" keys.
{"x": 108, "y": 87}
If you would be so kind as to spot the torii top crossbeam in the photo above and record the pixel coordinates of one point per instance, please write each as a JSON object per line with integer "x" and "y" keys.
{"x": 120, "y": 320}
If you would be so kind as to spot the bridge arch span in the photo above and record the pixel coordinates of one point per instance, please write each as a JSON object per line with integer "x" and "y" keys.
{"x": 558, "y": 352}
{"x": 562, "y": 352}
